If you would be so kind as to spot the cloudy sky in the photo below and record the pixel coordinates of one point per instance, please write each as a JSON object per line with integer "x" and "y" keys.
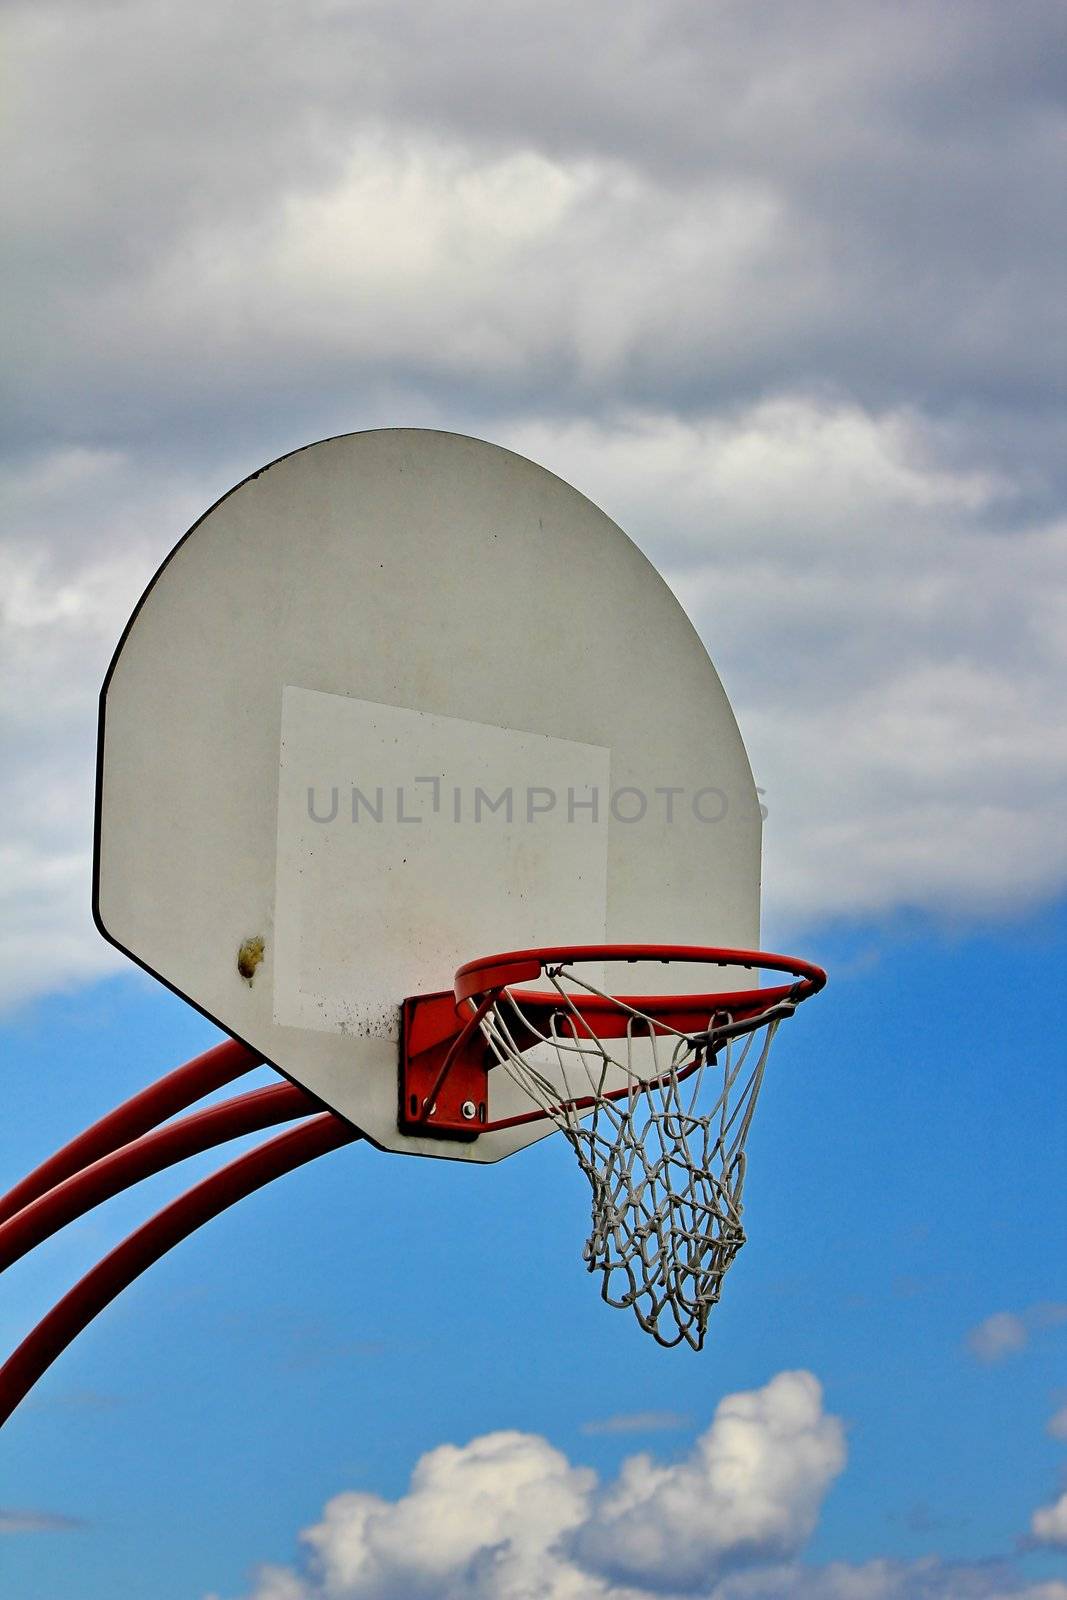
{"x": 781, "y": 288}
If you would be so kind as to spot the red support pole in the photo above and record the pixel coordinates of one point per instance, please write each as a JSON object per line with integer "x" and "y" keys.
{"x": 167, "y": 1228}
{"x": 145, "y": 1110}
{"x": 246, "y": 1113}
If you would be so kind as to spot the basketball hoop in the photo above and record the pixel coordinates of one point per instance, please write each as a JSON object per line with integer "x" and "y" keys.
{"x": 654, "y": 1093}
{"x": 379, "y": 639}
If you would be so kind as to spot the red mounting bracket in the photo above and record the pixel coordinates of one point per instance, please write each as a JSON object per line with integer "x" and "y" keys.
{"x": 444, "y": 1069}
{"x": 445, "y": 1059}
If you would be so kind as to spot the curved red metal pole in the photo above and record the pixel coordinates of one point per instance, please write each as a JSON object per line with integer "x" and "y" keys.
{"x": 245, "y": 1113}
{"x": 143, "y": 1111}
{"x": 175, "y": 1222}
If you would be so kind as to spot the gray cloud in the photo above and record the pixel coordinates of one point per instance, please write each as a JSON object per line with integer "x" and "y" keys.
{"x": 26, "y": 1521}
{"x": 637, "y": 1422}
{"x": 779, "y": 288}
{"x": 895, "y": 656}
{"x": 736, "y": 203}
{"x": 928, "y": 1578}
{"x": 1006, "y": 1333}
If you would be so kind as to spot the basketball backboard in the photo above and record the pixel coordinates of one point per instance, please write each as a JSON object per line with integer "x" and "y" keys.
{"x": 399, "y": 700}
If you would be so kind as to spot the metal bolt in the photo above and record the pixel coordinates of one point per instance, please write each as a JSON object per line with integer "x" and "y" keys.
{"x": 469, "y": 1110}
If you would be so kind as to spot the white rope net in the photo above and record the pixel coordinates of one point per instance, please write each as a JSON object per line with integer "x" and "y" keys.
{"x": 665, "y": 1157}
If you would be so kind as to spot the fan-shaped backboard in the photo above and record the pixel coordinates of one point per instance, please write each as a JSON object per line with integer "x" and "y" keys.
{"x": 401, "y": 699}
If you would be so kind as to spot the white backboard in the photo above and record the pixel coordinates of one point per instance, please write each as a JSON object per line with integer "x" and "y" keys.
{"x": 401, "y": 699}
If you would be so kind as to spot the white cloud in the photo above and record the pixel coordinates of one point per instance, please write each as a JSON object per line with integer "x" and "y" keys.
{"x": 276, "y": 1583}
{"x": 482, "y": 1519}
{"x": 507, "y": 1517}
{"x": 751, "y": 1489}
{"x": 1049, "y": 1523}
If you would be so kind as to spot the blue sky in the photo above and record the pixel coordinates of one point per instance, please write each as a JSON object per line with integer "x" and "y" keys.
{"x": 906, "y": 1182}
{"x": 782, "y": 292}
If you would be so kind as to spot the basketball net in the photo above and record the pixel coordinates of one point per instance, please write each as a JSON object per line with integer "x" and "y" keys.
{"x": 658, "y": 1120}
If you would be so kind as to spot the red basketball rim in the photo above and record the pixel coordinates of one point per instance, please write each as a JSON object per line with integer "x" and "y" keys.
{"x": 479, "y": 982}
